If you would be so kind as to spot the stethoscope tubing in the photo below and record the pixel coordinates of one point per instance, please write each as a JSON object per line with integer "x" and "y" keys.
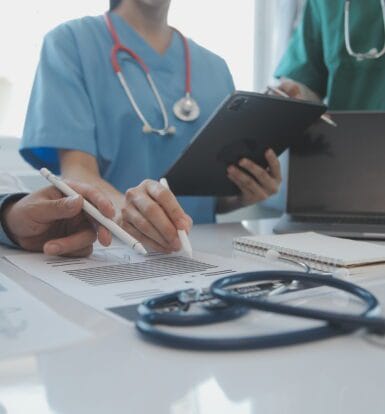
{"x": 360, "y": 56}
{"x": 342, "y": 320}
{"x": 153, "y": 334}
{"x": 334, "y": 324}
{"x": 148, "y": 312}
{"x": 178, "y": 106}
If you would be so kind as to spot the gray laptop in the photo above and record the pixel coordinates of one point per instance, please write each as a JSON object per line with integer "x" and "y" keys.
{"x": 336, "y": 182}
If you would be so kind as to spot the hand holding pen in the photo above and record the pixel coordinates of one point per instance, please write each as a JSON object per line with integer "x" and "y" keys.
{"x": 47, "y": 221}
{"x": 95, "y": 213}
{"x": 153, "y": 215}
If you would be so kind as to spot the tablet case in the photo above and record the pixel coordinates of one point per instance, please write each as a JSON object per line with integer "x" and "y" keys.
{"x": 245, "y": 125}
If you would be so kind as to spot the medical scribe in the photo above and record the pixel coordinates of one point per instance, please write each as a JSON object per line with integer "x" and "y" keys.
{"x": 116, "y": 100}
{"x": 338, "y": 53}
{"x": 49, "y": 222}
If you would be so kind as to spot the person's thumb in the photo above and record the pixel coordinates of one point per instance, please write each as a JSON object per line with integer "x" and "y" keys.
{"x": 62, "y": 208}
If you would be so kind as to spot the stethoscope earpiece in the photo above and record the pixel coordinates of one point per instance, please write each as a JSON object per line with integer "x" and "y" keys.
{"x": 146, "y": 129}
{"x": 171, "y": 130}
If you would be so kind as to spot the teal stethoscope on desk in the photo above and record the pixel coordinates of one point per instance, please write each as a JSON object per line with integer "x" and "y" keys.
{"x": 233, "y": 296}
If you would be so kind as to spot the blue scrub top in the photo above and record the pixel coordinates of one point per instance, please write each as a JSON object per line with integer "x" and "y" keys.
{"x": 77, "y": 103}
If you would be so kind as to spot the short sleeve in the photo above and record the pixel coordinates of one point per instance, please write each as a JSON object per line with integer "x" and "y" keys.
{"x": 59, "y": 113}
{"x": 304, "y": 59}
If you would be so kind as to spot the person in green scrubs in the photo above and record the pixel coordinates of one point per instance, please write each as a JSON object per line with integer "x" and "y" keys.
{"x": 319, "y": 65}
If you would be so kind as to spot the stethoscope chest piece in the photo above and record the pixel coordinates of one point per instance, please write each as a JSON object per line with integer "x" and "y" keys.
{"x": 186, "y": 109}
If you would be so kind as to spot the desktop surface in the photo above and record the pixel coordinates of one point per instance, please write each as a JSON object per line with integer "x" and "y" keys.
{"x": 117, "y": 372}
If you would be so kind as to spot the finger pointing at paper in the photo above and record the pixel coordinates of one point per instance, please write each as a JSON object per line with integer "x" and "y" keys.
{"x": 257, "y": 183}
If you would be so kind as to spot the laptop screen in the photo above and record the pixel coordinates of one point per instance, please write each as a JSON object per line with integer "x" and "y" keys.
{"x": 340, "y": 170}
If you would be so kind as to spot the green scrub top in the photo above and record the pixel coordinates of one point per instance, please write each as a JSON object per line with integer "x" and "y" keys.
{"x": 317, "y": 56}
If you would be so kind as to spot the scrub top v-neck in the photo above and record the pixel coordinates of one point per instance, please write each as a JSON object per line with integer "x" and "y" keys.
{"x": 317, "y": 55}
{"x": 78, "y": 103}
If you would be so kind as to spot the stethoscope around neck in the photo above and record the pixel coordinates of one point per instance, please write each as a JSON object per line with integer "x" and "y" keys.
{"x": 373, "y": 53}
{"x": 186, "y": 109}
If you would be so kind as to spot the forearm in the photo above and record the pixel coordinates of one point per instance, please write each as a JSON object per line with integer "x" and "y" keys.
{"x": 86, "y": 171}
{"x": 82, "y": 174}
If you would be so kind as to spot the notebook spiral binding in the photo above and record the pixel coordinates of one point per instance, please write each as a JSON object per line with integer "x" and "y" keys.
{"x": 317, "y": 262}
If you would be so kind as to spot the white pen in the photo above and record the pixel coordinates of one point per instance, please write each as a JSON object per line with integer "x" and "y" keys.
{"x": 285, "y": 95}
{"x": 95, "y": 213}
{"x": 184, "y": 240}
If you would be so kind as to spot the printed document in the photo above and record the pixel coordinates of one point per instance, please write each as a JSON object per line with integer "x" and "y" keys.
{"x": 116, "y": 279}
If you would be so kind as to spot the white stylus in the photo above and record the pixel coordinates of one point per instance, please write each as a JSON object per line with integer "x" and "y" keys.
{"x": 184, "y": 240}
{"x": 95, "y": 213}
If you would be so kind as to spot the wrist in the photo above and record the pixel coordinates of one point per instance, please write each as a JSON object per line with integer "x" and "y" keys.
{"x": 7, "y": 203}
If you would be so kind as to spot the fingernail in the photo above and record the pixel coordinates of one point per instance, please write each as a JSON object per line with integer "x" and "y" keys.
{"x": 53, "y": 249}
{"x": 182, "y": 224}
{"x": 243, "y": 162}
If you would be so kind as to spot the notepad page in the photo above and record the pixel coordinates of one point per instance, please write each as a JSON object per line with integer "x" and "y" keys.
{"x": 340, "y": 252}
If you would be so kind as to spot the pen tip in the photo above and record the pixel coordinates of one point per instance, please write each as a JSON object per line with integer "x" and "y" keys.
{"x": 139, "y": 247}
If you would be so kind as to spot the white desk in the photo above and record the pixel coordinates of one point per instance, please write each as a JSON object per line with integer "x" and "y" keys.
{"x": 119, "y": 373}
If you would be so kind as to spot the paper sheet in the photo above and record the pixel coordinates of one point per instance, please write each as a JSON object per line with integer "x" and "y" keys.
{"x": 116, "y": 279}
{"x": 27, "y": 325}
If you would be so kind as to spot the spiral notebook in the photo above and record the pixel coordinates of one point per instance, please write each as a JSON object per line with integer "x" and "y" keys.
{"x": 318, "y": 251}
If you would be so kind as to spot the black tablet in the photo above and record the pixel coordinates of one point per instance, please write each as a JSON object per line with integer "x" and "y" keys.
{"x": 244, "y": 126}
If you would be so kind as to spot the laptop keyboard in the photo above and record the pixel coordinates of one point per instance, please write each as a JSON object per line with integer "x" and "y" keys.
{"x": 342, "y": 219}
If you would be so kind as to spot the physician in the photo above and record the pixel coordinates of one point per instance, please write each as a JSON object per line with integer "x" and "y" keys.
{"x": 115, "y": 101}
{"x": 337, "y": 53}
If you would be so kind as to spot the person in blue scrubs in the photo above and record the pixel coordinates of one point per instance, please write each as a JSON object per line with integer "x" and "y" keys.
{"x": 81, "y": 124}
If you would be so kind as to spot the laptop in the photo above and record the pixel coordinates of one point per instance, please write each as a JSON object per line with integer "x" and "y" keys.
{"x": 336, "y": 181}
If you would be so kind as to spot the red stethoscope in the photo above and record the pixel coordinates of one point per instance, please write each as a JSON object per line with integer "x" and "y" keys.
{"x": 186, "y": 109}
